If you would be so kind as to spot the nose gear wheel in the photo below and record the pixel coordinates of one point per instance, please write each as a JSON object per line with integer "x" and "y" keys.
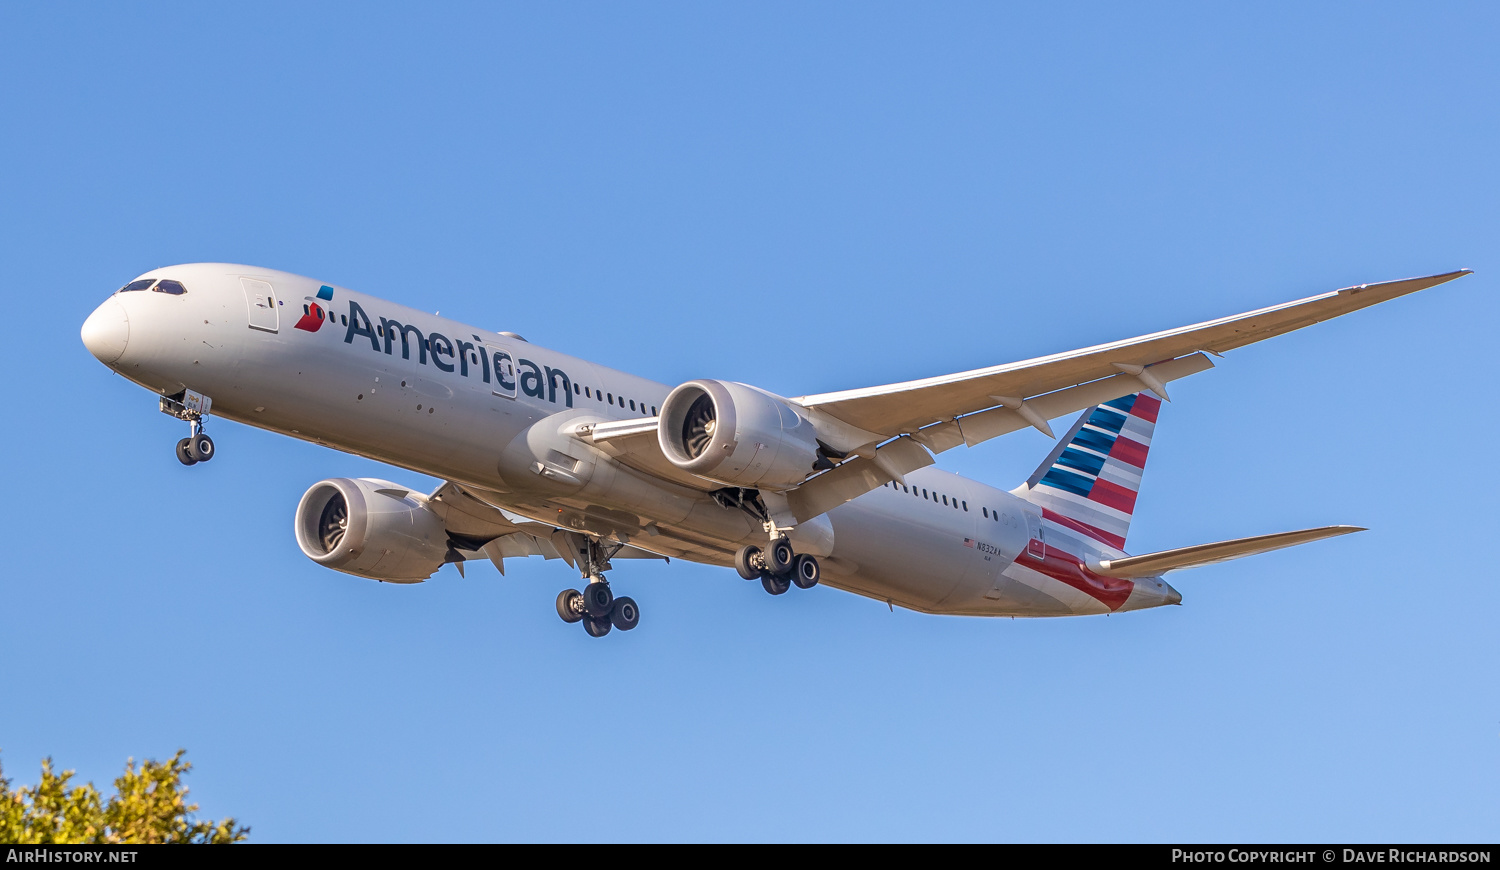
{"x": 192, "y": 407}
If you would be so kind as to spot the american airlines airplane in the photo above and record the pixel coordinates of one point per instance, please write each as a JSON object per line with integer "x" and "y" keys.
{"x": 545, "y": 454}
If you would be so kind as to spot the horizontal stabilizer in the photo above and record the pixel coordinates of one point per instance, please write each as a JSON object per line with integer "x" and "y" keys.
{"x": 1152, "y": 564}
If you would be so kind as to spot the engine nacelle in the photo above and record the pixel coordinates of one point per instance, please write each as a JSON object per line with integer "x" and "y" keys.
{"x": 371, "y": 528}
{"x": 737, "y": 435}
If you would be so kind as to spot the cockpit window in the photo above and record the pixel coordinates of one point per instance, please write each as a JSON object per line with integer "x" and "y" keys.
{"x": 141, "y": 284}
{"x": 173, "y": 287}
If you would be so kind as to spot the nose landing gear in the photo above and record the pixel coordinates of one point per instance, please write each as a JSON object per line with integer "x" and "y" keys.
{"x": 195, "y": 449}
{"x": 192, "y": 407}
{"x": 597, "y": 607}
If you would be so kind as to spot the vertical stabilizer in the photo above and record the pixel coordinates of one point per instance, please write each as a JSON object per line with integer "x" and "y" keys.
{"x": 1090, "y": 480}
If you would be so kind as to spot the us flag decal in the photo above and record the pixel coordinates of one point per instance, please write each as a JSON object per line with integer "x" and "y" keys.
{"x": 969, "y": 542}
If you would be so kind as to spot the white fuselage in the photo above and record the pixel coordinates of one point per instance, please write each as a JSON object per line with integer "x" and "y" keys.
{"x": 495, "y": 413}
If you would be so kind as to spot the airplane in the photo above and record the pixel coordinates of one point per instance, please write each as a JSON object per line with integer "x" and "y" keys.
{"x": 545, "y": 454}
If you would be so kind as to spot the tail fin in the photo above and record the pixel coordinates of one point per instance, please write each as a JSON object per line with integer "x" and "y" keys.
{"x": 1089, "y": 481}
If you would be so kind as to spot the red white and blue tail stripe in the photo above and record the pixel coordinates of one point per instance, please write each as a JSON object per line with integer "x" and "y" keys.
{"x": 1089, "y": 482}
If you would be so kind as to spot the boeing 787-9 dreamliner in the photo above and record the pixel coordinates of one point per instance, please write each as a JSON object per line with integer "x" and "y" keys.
{"x": 545, "y": 454}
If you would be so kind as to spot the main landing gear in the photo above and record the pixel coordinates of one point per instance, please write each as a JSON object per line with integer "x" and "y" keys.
{"x": 777, "y": 566}
{"x": 596, "y": 606}
{"x": 192, "y": 407}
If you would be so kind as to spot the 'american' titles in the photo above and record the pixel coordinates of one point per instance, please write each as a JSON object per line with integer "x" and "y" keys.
{"x": 466, "y": 358}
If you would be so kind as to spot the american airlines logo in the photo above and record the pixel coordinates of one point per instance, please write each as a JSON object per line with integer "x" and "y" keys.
{"x": 312, "y": 321}
{"x": 467, "y": 359}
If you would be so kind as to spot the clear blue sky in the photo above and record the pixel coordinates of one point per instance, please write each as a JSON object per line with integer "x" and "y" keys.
{"x": 806, "y": 197}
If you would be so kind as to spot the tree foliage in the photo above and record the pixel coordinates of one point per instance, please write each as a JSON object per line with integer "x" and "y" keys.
{"x": 149, "y": 806}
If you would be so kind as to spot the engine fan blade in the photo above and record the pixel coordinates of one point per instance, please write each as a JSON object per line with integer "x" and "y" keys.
{"x": 333, "y": 523}
{"x": 698, "y": 426}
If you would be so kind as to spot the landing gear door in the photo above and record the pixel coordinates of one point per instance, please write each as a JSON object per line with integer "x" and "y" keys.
{"x": 260, "y": 299}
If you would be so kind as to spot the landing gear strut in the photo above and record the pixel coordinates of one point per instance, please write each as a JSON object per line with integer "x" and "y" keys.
{"x": 192, "y": 407}
{"x": 597, "y": 607}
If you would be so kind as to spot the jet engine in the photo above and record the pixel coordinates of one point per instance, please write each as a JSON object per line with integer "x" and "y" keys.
{"x": 738, "y": 435}
{"x": 371, "y": 528}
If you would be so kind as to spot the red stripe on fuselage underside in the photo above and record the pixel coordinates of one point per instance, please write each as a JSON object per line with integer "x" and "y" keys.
{"x": 1084, "y": 528}
{"x": 1146, "y": 407}
{"x": 1109, "y": 591}
{"x": 1112, "y": 495}
{"x": 1132, "y": 453}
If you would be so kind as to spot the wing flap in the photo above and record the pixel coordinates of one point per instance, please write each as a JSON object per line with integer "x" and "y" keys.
{"x": 983, "y": 426}
{"x": 508, "y": 535}
{"x": 464, "y": 514}
{"x": 1153, "y": 564}
{"x": 897, "y": 458}
{"x": 857, "y": 476}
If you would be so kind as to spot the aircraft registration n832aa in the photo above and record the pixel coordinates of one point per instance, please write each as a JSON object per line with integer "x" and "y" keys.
{"x": 545, "y": 454}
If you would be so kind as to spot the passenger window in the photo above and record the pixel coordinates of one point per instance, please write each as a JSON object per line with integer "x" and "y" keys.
{"x": 136, "y": 285}
{"x": 653, "y": 411}
{"x": 611, "y": 397}
{"x": 986, "y": 512}
{"x": 175, "y": 288}
{"x": 344, "y": 319}
{"x": 995, "y": 517}
{"x": 632, "y": 404}
{"x": 577, "y": 389}
{"x": 945, "y": 499}
{"x": 305, "y": 311}
{"x": 966, "y": 506}
{"x": 924, "y": 493}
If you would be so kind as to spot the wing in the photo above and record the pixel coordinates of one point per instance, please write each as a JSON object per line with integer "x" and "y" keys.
{"x": 971, "y": 407}
{"x": 892, "y": 430}
{"x": 908, "y": 407}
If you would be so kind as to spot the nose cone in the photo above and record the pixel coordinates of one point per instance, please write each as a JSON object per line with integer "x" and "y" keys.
{"x": 106, "y": 331}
